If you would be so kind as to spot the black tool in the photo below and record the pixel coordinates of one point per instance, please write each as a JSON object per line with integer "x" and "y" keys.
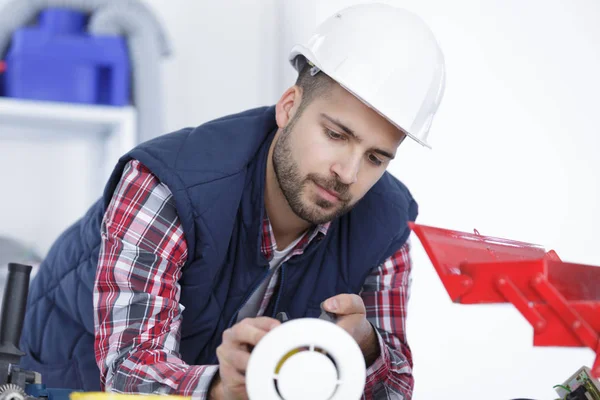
{"x": 282, "y": 317}
{"x": 12, "y": 378}
{"x": 327, "y": 316}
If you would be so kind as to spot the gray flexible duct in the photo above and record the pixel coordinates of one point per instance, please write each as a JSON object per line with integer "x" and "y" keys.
{"x": 146, "y": 40}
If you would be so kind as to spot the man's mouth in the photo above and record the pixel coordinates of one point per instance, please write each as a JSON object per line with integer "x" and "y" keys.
{"x": 328, "y": 194}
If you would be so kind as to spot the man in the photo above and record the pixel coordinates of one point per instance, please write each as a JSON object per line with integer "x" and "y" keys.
{"x": 204, "y": 235}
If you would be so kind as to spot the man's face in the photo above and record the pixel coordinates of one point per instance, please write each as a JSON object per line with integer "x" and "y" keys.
{"x": 327, "y": 159}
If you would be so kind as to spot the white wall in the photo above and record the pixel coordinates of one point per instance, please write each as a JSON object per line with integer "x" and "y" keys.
{"x": 514, "y": 154}
{"x": 224, "y": 57}
{"x": 46, "y": 183}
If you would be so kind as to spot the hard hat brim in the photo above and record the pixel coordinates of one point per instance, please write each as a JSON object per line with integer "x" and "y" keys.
{"x": 300, "y": 50}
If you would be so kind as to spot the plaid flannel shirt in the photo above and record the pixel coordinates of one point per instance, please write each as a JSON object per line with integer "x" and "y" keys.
{"x": 136, "y": 299}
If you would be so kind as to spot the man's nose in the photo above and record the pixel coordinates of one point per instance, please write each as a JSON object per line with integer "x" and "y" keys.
{"x": 347, "y": 169}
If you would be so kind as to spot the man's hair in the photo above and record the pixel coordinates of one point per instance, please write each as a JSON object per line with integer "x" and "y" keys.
{"x": 312, "y": 86}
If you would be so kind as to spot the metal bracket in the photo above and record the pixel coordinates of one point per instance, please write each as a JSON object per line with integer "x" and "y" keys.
{"x": 514, "y": 295}
{"x": 457, "y": 285}
{"x": 569, "y": 316}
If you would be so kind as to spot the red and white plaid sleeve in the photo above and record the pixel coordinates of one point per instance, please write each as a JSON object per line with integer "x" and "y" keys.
{"x": 385, "y": 294}
{"x": 136, "y": 292}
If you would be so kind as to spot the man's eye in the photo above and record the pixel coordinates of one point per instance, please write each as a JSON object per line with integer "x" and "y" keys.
{"x": 375, "y": 160}
{"x": 334, "y": 135}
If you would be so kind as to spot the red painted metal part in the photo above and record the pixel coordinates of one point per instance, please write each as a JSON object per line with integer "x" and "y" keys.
{"x": 560, "y": 300}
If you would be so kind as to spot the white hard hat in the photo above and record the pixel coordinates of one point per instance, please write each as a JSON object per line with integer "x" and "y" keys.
{"x": 385, "y": 56}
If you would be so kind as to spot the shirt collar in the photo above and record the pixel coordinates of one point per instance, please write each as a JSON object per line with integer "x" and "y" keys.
{"x": 269, "y": 245}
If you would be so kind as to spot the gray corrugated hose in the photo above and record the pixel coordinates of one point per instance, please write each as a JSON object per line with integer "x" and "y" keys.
{"x": 146, "y": 40}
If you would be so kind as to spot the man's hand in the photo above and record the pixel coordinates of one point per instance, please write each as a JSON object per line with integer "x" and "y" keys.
{"x": 352, "y": 317}
{"x": 233, "y": 355}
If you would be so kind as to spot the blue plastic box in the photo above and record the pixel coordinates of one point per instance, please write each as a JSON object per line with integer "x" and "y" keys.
{"x": 40, "y": 391}
{"x": 59, "y": 61}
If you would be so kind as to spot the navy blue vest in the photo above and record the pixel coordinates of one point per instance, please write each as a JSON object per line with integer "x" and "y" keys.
{"x": 216, "y": 173}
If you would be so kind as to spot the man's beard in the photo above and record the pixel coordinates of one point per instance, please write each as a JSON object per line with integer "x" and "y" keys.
{"x": 292, "y": 185}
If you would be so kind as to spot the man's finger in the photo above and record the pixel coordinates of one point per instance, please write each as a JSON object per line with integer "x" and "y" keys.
{"x": 345, "y": 304}
{"x": 236, "y": 358}
{"x": 248, "y": 333}
{"x": 238, "y": 333}
{"x": 264, "y": 323}
{"x": 350, "y": 323}
{"x": 231, "y": 375}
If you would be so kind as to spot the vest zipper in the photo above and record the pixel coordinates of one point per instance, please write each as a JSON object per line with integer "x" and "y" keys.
{"x": 235, "y": 314}
{"x": 279, "y": 291}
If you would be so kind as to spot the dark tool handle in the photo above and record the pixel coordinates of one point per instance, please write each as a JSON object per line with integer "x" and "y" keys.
{"x": 282, "y": 317}
{"x": 13, "y": 311}
{"x": 327, "y": 316}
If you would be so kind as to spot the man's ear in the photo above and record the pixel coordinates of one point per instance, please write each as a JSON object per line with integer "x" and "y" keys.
{"x": 287, "y": 106}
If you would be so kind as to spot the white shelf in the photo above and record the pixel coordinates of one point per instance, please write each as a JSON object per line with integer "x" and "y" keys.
{"x": 80, "y": 117}
{"x": 113, "y": 127}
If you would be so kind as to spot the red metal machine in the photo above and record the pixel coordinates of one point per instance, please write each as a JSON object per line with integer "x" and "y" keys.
{"x": 560, "y": 300}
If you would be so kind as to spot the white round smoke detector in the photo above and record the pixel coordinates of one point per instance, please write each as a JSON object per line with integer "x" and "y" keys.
{"x": 307, "y": 374}
{"x": 306, "y": 358}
